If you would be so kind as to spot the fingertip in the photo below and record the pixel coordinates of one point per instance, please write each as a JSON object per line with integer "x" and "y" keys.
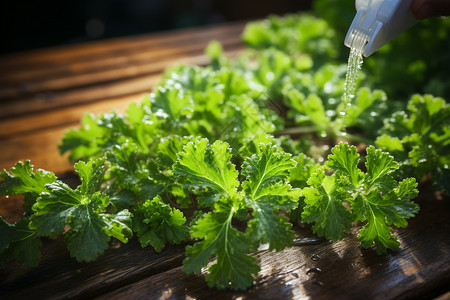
{"x": 424, "y": 11}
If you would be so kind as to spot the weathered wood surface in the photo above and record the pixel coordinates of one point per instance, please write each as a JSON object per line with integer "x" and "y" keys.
{"x": 45, "y": 92}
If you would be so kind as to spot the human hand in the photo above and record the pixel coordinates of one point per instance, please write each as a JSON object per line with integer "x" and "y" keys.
{"x": 423, "y": 9}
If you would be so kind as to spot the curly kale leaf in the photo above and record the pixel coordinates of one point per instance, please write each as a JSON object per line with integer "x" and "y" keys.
{"x": 267, "y": 192}
{"x": 375, "y": 197}
{"x": 83, "y": 211}
{"x": 420, "y": 139}
{"x": 131, "y": 171}
{"x": 324, "y": 206}
{"x": 233, "y": 268}
{"x": 22, "y": 180}
{"x": 157, "y": 224}
{"x": 208, "y": 170}
{"x": 99, "y": 134}
{"x": 20, "y": 243}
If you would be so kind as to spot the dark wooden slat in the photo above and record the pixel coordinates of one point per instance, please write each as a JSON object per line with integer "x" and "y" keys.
{"x": 56, "y": 55}
{"x": 72, "y": 115}
{"x": 111, "y": 71}
{"x": 45, "y": 101}
{"x": 61, "y": 277}
{"x": 25, "y": 79}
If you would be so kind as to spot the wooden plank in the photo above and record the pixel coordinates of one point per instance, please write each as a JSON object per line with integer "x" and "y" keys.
{"x": 419, "y": 269}
{"x": 61, "y": 277}
{"x": 112, "y": 71}
{"x": 112, "y": 47}
{"x": 109, "y": 84}
{"x": 40, "y": 147}
{"x": 24, "y": 80}
{"x": 72, "y": 115}
{"x": 46, "y": 101}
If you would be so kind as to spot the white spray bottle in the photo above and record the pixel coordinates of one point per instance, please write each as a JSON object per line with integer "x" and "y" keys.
{"x": 377, "y": 22}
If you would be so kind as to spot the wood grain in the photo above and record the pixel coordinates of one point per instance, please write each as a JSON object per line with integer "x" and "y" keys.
{"x": 105, "y": 70}
{"x": 420, "y": 269}
{"x": 43, "y": 93}
{"x": 113, "y": 47}
{"x": 11, "y": 127}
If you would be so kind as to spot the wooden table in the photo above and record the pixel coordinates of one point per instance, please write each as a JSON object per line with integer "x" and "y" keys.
{"x": 45, "y": 92}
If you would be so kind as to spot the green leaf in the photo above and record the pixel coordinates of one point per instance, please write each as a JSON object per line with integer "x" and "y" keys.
{"x": 305, "y": 167}
{"x": 122, "y": 199}
{"x": 378, "y": 232}
{"x": 99, "y": 133}
{"x": 119, "y": 225}
{"x": 251, "y": 144}
{"x": 143, "y": 124}
{"x": 266, "y": 225}
{"x": 169, "y": 147}
{"x": 324, "y": 207}
{"x": 233, "y": 267}
{"x": 86, "y": 239}
{"x": 367, "y": 110}
{"x": 271, "y": 166}
{"x": 267, "y": 192}
{"x": 157, "y": 224}
{"x": 22, "y": 179}
{"x": 365, "y": 99}
{"x": 20, "y": 243}
{"x": 82, "y": 210}
{"x": 294, "y": 34}
{"x": 171, "y": 105}
{"x": 384, "y": 210}
{"x": 391, "y": 144}
{"x": 345, "y": 159}
{"x": 379, "y": 164}
{"x": 52, "y": 210}
{"x": 208, "y": 169}
{"x": 383, "y": 201}
{"x": 134, "y": 173}
{"x": 91, "y": 175}
{"x": 308, "y": 108}
{"x": 87, "y": 141}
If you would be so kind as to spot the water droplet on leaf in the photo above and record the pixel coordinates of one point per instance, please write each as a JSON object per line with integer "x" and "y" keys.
{"x": 313, "y": 270}
{"x": 318, "y": 283}
{"x": 315, "y": 257}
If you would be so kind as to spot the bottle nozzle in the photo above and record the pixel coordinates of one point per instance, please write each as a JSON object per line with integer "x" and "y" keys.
{"x": 377, "y": 22}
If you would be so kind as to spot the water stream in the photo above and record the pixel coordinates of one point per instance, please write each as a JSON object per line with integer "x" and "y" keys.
{"x": 355, "y": 61}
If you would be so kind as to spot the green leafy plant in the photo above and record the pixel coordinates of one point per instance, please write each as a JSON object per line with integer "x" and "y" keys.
{"x": 420, "y": 139}
{"x": 242, "y": 142}
{"x": 374, "y": 197}
{"x": 208, "y": 170}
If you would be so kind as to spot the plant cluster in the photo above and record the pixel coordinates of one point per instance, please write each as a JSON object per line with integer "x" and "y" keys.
{"x": 252, "y": 145}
